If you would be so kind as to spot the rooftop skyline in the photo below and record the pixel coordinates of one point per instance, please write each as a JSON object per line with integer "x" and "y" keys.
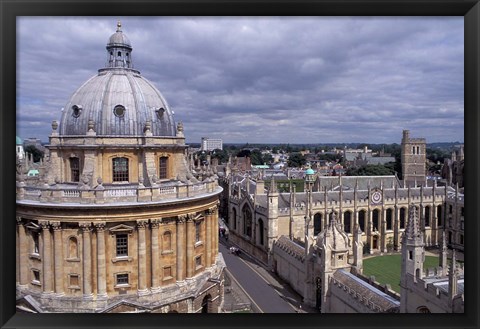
{"x": 262, "y": 79}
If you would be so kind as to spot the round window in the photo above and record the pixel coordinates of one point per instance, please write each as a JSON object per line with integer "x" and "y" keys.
{"x": 76, "y": 111}
{"x": 119, "y": 111}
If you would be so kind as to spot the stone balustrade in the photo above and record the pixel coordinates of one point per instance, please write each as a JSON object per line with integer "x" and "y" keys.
{"x": 111, "y": 194}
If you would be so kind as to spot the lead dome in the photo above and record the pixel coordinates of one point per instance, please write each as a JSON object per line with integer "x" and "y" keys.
{"x": 118, "y": 101}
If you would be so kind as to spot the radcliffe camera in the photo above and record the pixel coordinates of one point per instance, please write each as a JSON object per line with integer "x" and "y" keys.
{"x": 288, "y": 165}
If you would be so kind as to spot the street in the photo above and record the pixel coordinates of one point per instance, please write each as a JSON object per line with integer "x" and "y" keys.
{"x": 259, "y": 289}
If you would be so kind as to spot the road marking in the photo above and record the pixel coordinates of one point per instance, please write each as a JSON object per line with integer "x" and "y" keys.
{"x": 246, "y": 293}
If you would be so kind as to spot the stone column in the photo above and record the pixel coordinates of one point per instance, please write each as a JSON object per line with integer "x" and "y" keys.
{"x": 87, "y": 260}
{"x": 47, "y": 258}
{"x": 101, "y": 261}
{"x": 142, "y": 257}
{"x": 58, "y": 248}
{"x": 208, "y": 238}
{"x": 155, "y": 254}
{"x": 190, "y": 245}
{"x": 181, "y": 247}
{"x": 22, "y": 253}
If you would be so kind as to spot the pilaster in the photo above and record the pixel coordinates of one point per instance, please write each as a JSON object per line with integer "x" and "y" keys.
{"x": 181, "y": 247}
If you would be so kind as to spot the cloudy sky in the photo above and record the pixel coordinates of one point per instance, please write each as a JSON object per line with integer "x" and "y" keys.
{"x": 262, "y": 79}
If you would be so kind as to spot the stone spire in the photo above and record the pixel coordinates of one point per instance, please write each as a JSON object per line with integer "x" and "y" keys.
{"x": 413, "y": 228}
{"x": 452, "y": 277}
{"x": 443, "y": 254}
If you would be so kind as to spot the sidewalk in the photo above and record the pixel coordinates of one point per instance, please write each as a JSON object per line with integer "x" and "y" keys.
{"x": 282, "y": 288}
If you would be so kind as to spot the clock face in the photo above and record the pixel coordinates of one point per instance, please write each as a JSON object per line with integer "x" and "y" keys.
{"x": 376, "y": 197}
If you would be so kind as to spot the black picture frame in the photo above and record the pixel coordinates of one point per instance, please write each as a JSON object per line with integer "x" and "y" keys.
{"x": 10, "y": 9}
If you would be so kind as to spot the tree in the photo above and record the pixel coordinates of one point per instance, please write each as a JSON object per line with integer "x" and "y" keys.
{"x": 221, "y": 155}
{"x": 37, "y": 154}
{"x": 296, "y": 160}
{"x": 370, "y": 170}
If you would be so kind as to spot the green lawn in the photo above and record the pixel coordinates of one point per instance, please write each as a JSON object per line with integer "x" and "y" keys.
{"x": 386, "y": 269}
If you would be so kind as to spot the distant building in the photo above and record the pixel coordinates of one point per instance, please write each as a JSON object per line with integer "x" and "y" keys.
{"x": 210, "y": 144}
{"x": 453, "y": 168}
{"x": 413, "y": 160}
{"x": 19, "y": 148}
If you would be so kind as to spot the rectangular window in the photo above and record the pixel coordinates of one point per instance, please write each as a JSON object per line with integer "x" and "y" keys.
{"x": 73, "y": 280}
{"x": 75, "y": 169}
{"x": 410, "y": 254}
{"x": 167, "y": 272}
{"x": 36, "y": 249}
{"x": 122, "y": 279}
{"x": 197, "y": 231}
{"x": 463, "y": 211}
{"x": 162, "y": 174}
{"x": 198, "y": 261}
{"x": 120, "y": 170}
{"x": 122, "y": 245}
{"x": 36, "y": 275}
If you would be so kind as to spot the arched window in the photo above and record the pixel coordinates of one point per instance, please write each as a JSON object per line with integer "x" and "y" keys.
{"x": 423, "y": 309}
{"x": 389, "y": 218}
{"x": 120, "y": 169}
{"x": 167, "y": 241}
{"x": 402, "y": 218}
{"x": 439, "y": 215}
{"x": 247, "y": 221}
{"x": 375, "y": 215}
{"x": 163, "y": 167}
{"x": 317, "y": 223}
{"x": 260, "y": 231}
{"x": 75, "y": 169}
{"x": 347, "y": 221}
{"x": 206, "y": 304}
{"x": 427, "y": 216}
{"x": 72, "y": 248}
{"x": 361, "y": 220}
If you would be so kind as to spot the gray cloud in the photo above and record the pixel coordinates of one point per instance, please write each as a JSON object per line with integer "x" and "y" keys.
{"x": 263, "y": 79}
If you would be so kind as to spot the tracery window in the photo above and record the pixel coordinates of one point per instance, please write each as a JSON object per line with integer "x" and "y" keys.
{"x": 402, "y": 218}
{"x": 120, "y": 169}
{"x": 317, "y": 223}
{"x": 361, "y": 220}
{"x": 375, "y": 215}
{"x": 427, "y": 216}
{"x": 347, "y": 221}
{"x": 247, "y": 221}
{"x": 389, "y": 218}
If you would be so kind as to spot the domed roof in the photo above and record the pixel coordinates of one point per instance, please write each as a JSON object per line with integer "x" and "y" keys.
{"x": 118, "y": 100}
{"x": 18, "y": 140}
{"x": 118, "y": 38}
{"x": 309, "y": 171}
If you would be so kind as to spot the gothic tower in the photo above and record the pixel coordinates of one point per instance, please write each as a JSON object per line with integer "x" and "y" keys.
{"x": 413, "y": 160}
{"x": 413, "y": 255}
